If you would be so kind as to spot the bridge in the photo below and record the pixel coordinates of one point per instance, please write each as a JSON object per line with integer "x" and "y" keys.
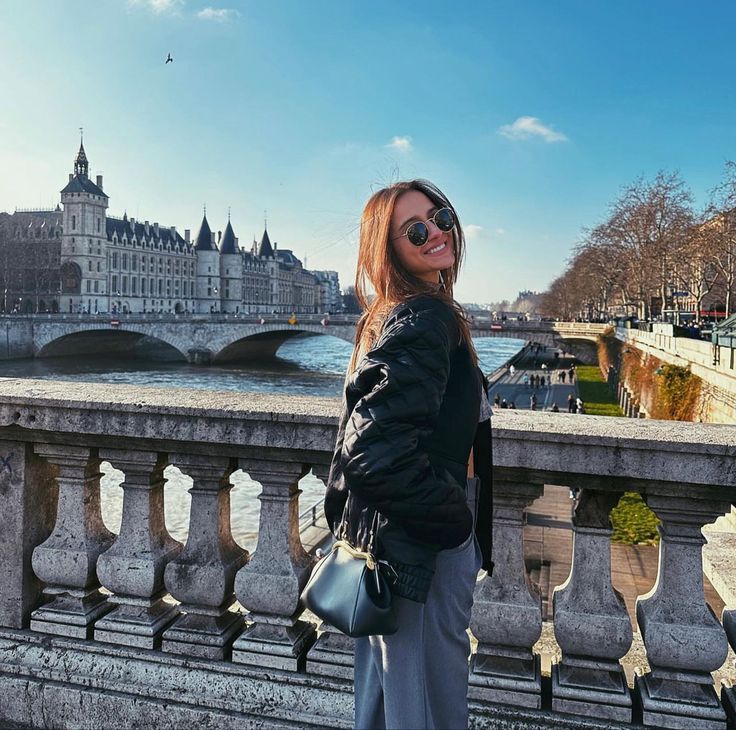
{"x": 218, "y": 338}
{"x": 131, "y": 624}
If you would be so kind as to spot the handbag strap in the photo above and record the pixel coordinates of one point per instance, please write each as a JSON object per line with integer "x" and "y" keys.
{"x": 342, "y": 532}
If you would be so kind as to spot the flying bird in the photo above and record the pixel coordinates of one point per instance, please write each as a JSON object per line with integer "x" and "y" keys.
{"x": 169, "y": 59}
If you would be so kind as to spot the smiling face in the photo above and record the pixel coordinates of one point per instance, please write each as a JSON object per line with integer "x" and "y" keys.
{"x": 437, "y": 253}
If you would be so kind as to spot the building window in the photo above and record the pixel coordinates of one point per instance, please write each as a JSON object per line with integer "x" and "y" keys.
{"x": 133, "y": 285}
{"x": 143, "y": 287}
{"x": 98, "y": 225}
{"x": 125, "y": 261}
{"x": 74, "y": 223}
{"x": 160, "y": 287}
{"x": 125, "y": 284}
{"x": 97, "y": 286}
{"x": 134, "y": 262}
{"x": 89, "y": 286}
{"x": 98, "y": 266}
{"x": 89, "y": 266}
{"x": 115, "y": 284}
{"x": 114, "y": 259}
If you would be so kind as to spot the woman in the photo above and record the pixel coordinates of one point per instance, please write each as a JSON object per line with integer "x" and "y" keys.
{"x": 412, "y": 438}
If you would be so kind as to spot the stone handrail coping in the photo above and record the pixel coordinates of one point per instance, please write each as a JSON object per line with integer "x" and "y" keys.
{"x": 594, "y": 451}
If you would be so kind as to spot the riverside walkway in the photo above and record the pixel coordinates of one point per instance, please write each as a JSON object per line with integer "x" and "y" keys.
{"x": 513, "y": 388}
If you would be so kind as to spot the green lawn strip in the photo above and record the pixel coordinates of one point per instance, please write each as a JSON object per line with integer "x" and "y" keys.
{"x": 597, "y": 399}
{"x": 632, "y": 521}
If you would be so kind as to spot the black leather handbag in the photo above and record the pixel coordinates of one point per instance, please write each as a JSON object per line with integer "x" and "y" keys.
{"x": 350, "y": 589}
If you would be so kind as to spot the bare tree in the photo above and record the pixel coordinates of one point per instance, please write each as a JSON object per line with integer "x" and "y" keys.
{"x": 721, "y": 229}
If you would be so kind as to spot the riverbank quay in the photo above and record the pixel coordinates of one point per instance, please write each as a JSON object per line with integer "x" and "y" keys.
{"x": 136, "y": 627}
{"x": 534, "y": 361}
{"x": 714, "y": 364}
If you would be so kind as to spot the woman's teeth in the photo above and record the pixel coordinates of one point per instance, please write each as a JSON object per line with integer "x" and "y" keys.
{"x": 436, "y": 248}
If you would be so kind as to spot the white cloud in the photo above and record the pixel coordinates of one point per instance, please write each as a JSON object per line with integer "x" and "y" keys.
{"x": 473, "y": 231}
{"x": 400, "y": 144}
{"x": 527, "y": 127}
{"x": 160, "y": 7}
{"x": 500, "y": 231}
{"x": 219, "y": 15}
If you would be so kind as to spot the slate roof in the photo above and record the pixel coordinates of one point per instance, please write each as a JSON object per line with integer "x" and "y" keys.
{"x": 287, "y": 256}
{"x": 82, "y": 184}
{"x": 122, "y": 226}
{"x": 265, "y": 248}
{"x": 228, "y": 243}
{"x": 204, "y": 237}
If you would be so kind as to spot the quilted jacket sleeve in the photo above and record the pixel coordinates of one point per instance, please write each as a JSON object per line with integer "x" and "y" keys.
{"x": 395, "y": 396}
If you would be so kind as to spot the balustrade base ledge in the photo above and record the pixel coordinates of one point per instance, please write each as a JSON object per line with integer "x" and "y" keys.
{"x": 671, "y": 715}
{"x": 587, "y": 701}
{"x": 61, "y": 683}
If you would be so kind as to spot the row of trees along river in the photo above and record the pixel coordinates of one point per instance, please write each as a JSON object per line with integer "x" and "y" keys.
{"x": 654, "y": 252}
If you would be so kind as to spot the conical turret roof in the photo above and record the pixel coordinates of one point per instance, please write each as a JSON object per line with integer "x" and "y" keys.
{"x": 228, "y": 243}
{"x": 204, "y": 237}
{"x": 265, "y": 248}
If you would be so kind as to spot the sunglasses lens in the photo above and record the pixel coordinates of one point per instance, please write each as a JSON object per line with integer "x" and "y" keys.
{"x": 417, "y": 233}
{"x": 444, "y": 219}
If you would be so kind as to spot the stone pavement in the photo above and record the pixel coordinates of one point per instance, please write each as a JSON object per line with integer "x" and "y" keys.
{"x": 512, "y": 387}
{"x": 548, "y": 552}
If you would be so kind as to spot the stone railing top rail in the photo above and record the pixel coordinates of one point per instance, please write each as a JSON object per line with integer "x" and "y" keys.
{"x": 537, "y": 446}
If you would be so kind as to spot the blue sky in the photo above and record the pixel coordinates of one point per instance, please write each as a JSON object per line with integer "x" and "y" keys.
{"x": 530, "y": 115}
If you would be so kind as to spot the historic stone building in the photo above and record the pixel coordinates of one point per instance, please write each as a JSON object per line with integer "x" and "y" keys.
{"x": 79, "y": 259}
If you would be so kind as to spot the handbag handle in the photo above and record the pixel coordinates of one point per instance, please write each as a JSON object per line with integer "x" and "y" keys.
{"x": 342, "y": 532}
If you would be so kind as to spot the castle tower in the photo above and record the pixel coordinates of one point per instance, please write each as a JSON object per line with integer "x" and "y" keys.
{"x": 84, "y": 241}
{"x": 231, "y": 272}
{"x": 208, "y": 270}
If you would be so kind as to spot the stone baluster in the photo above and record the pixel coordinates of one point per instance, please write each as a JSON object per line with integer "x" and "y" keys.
{"x": 202, "y": 576}
{"x": 66, "y": 561}
{"x": 728, "y": 694}
{"x": 507, "y": 609}
{"x": 333, "y": 653}
{"x": 683, "y": 638}
{"x": 133, "y": 568}
{"x": 591, "y": 623}
{"x": 270, "y": 585}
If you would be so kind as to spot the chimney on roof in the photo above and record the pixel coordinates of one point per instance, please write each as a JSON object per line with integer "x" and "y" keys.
{"x": 155, "y": 229}
{"x": 173, "y": 231}
{"x": 219, "y": 237}
{"x": 71, "y": 176}
{"x": 99, "y": 182}
{"x": 212, "y": 233}
{"x": 146, "y": 224}
{"x": 132, "y": 223}
{"x": 275, "y": 246}
{"x": 187, "y": 235}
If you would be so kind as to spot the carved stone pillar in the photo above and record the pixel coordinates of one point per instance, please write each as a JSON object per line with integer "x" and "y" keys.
{"x": 683, "y": 638}
{"x": 202, "y": 576}
{"x": 270, "y": 585}
{"x": 728, "y": 694}
{"x": 66, "y": 561}
{"x": 507, "y": 609}
{"x": 591, "y": 623}
{"x": 333, "y": 654}
{"x": 133, "y": 568}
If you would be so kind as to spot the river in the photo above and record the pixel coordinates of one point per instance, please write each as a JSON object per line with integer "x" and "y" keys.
{"x": 304, "y": 366}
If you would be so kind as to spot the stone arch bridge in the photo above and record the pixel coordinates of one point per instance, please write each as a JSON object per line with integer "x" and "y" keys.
{"x": 216, "y": 338}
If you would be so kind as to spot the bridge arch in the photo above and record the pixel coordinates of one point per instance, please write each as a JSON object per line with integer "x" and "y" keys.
{"x": 103, "y": 340}
{"x": 265, "y": 344}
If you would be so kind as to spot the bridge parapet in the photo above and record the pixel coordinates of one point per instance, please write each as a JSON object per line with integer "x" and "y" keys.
{"x": 136, "y": 625}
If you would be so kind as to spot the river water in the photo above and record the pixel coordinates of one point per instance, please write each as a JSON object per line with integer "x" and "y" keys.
{"x": 303, "y": 366}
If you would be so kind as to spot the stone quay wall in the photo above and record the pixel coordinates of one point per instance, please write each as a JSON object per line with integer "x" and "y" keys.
{"x": 714, "y": 364}
{"x": 140, "y": 628}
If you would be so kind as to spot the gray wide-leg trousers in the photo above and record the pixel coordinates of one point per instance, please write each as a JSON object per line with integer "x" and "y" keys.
{"x": 418, "y": 677}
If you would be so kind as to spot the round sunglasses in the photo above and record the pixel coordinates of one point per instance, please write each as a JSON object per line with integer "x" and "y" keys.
{"x": 418, "y": 232}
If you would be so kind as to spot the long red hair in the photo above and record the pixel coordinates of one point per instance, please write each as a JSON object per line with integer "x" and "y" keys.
{"x": 381, "y": 281}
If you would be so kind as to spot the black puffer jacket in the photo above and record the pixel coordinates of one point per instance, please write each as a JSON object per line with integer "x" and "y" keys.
{"x": 409, "y": 420}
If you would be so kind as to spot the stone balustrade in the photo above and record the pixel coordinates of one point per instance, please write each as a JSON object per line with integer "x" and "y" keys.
{"x": 139, "y": 627}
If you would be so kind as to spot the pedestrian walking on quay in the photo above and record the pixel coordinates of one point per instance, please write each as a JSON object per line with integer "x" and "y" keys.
{"x": 571, "y": 405}
{"x": 526, "y": 380}
{"x": 497, "y": 400}
{"x": 542, "y": 381}
{"x": 555, "y": 409}
{"x": 421, "y": 479}
{"x": 579, "y": 405}
{"x": 571, "y": 373}
{"x": 562, "y": 376}
{"x": 512, "y": 405}
{"x": 512, "y": 370}
{"x": 533, "y": 402}
{"x": 504, "y": 403}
